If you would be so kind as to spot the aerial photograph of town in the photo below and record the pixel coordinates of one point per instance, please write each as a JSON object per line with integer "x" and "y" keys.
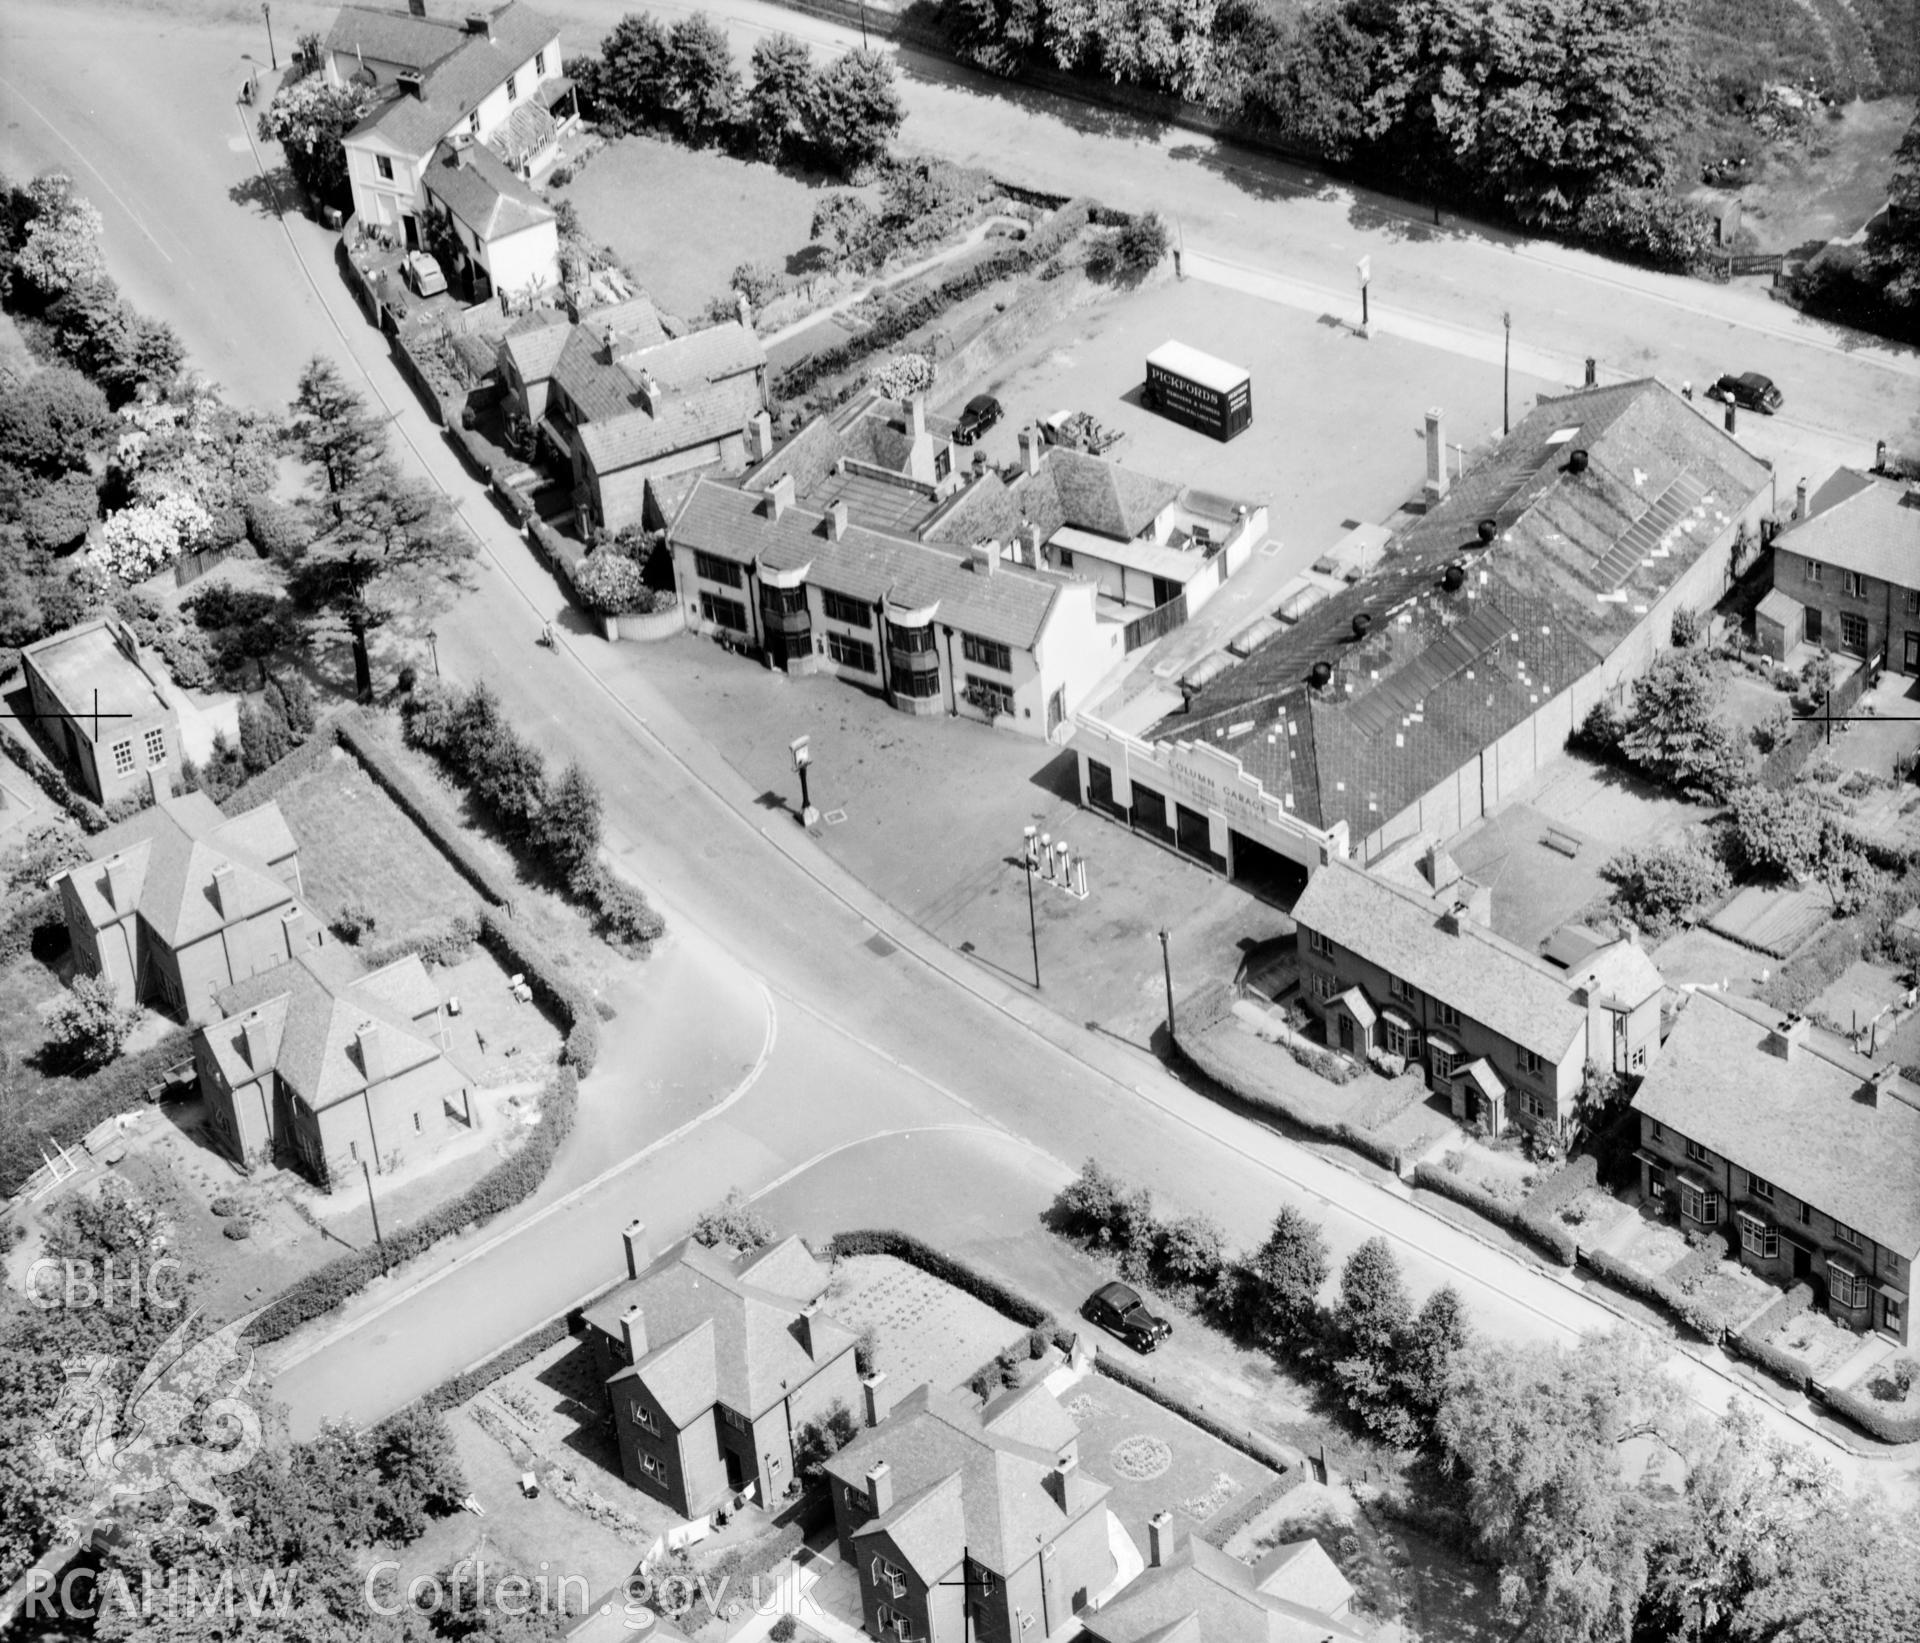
{"x": 959, "y": 821}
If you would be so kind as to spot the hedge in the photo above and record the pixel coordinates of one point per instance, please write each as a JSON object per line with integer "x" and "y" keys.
{"x": 1274, "y": 1101}
{"x": 903, "y": 1246}
{"x": 518, "y": 953}
{"x": 67, "y": 1117}
{"x": 512, "y": 1181}
{"x": 17, "y": 933}
{"x": 1223, "y": 1526}
{"x": 1560, "y": 1187}
{"x": 1868, "y": 1415}
{"x": 1660, "y": 1291}
{"x": 741, "y": 1566}
{"x": 1247, "y": 1444}
{"x": 453, "y": 1392}
{"x": 1769, "y": 1357}
{"x": 368, "y": 746}
{"x": 52, "y": 781}
{"x": 1547, "y": 1236}
{"x": 281, "y": 774}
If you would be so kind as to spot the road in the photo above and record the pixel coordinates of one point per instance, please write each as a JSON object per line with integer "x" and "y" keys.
{"x": 876, "y": 1030}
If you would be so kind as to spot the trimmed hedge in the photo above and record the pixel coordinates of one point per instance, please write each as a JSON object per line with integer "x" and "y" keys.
{"x": 1274, "y": 1101}
{"x": 52, "y": 781}
{"x": 1546, "y": 1236}
{"x": 67, "y": 1117}
{"x": 512, "y": 1181}
{"x": 1660, "y": 1292}
{"x": 740, "y": 1566}
{"x": 1780, "y": 1364}
{"x": 1223, "y": 1526}
{"x": 556, "y": 991}
{"x": 457, "y": 1389}
{"x": 367, "y": 745}
{"x": 280, "y": 775}
{"x": 1247, "y": 1444}
{"x": 903, "y": 1246}
{"x": 1867, "y": 1414}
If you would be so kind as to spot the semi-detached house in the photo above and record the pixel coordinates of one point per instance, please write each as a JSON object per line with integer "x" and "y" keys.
{"x": 1805, "y": 1157}
{"x": 1505, "y": 1036}
{"x": 1847, "y": 576}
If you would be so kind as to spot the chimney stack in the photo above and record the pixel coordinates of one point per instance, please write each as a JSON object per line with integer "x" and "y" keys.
{"x": 633, "y": 1331}
{"x": 223, "y": 889}
{"x": 1800, "y": 499}
{"x": 803, "y": 1328}
{"x": 408, "y": 82}
{"x": 760, "y": 437}
{"x": 480, "y": 22}
{"x": 1031, "y": 447}
{"x": 417, "y": 8}
{"x": 1436, "y": 486}
{"x": 836, "y": 520}
{"x": 253, "y": 1035}
{"x": 1879, "y": 1083}
{"x": 874, "y": 1390}
{"x": 1788, "y": 1033}
{"x": 880, "y": 1488}
{"x": 373, "y": 1059}
{"x": 984, "y": 558}
{"x": 916, "y": 409}
{"x": 120, "y": 883}
{"x": 1159, "y": 1539}
{"x": 1063, "y": 1469}
{"x": 745, "y": 309}
{"x": 1454, "y": 917}
{"x": 780, "y": 496}
{"x": 635, "y": 1238}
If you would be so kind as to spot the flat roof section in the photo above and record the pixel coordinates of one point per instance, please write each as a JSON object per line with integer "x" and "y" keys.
{"x": 87, "y": 659}
{"x": 1184, "y": 360}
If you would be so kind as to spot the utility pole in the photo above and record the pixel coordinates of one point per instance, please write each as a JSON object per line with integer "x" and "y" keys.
{"x": 1364, "y": 268}
{"x": 1166, "y": 966}
{"x": 1506, "y": 369}
{"x": 266, "y": 11}
{"x": 1033, "y": 927}
{"x": 367, "y": 1171}
{"x": 802, "y": 758}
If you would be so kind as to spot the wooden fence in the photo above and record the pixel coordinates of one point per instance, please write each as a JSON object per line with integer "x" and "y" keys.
{"x": 1143, "y": 630}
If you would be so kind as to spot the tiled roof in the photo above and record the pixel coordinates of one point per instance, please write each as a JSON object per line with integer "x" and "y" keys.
{"x": 171, "y": 851}
{"x": 929, "y": 1526}
{"x": 533, "y": 342}
{"x": 1781, "y": 606}
{"x": 393, "y": 36}
{"x": 1621, "y": 970}
{"x": 1479, "y": 974}
{"x": 684, "y": 368}
{"x": 326, "y": 1003}
{"x": 1008, "y": 1508}
{"x": 755, "y": 1352}
{"x": 1869, "y": 525}
{"x": 459, "y": 82}
{"x": 483, "y": 193}
{"x": 984, "y": 511}
{"x": 1442, "y": 673}
{"x": 1101, "y": 496}
{"x": 1805, "y": 1124}
{"x": 685, "y": 420}
{"x": 1293, "y": 1603}
{"x": 808, "y": 457}
{"x": 1010, "y": 604}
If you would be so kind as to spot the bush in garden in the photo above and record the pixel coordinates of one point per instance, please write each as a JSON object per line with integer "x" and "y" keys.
{"x": 278, "y": 531}
{"x": 138, "y": 541}
{"x": 733, "y": 1221}
{"x": 1663, "y": 887}
{"x": 57, "y": 515}
{"x": 610, "y": 583}
{"x": 88, "y": 1028}
{"x": 226, "y": 1204}
{"x": 904, "y": 376}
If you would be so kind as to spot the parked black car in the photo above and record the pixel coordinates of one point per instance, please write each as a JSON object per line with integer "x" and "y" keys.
{"x": 1119, "y": 1310}
{"x": 1749, "y": 390}
{"x": 980, "y": 413}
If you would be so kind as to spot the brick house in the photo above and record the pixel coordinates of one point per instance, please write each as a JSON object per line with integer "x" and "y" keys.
{"x": 315, "y": 1062}
{"x": 971, "y": 1524}
{"x": 1852, "y": 567}
{"x": 1415, "y": 974}
{"x": 100, "y": 665}
{"x": 1807, "y": 1159}
{"x": 1198, "y": 1594}
{"x": 181, "y": 902}
{"x": 712, "y": 1361}
{"x": 623, "y": 403}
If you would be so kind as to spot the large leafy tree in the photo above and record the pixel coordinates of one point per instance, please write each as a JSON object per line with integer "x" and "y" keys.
{"x": 783, "y": 101}
{"x": 58, "y": 238}
{"x": 1899, "y": 247}
{"x": 1285, "y": 1277}
{"x": 307, "y": 118}
{"x": 1675, "y": 731}
{"x": 1370, "y": 1322}
{"x": 52, "y": 422}
{"x": 332, "y": 427}
{"x": 1535, "y": 1436}
{"x": 858, "y": 110}
{"x": 630, "y": 85}
{"x": 1853, "y": 1574}
{"x": 705, "y": 83}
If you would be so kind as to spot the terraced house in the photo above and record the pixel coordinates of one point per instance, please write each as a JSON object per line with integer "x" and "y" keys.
{"x": 1416, "y": 975}
{"x": 1805, "y": 1157}
{"x": 1847, "y": 575}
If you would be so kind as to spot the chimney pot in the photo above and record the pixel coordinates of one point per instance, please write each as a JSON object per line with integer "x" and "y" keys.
{"x": 874, "y": 1392}
{"x": 635, "y": 1239}
{"x": 1159, "y": 1539}
{"x": 633, "y": 1331}
{"x": 880, "y": 1488}
{"x": 1800, "y": 500}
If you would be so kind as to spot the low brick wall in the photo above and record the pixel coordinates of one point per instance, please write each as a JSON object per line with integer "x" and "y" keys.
{"x": 646, "y": 630}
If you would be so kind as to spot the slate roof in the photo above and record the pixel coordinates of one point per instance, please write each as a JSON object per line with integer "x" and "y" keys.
{"x": 1011, "y": 604}
{"x": 1479, "y": 974}
{"x": 1442, "y": 673}
{"x": 459, "y": 82}
{"x": 707, "y": 382}
{"x": 1103, "y": 497}
{"x": 1620, "y": 971}
{"x": 170, "y": 852}
{"x": 984, "y": 511}
{"x": 726, "y": 1327}
{"x": 1781, "y": 607}
{"x": 1802, "y": 1124}
{"x": 1862, "y": 524}
{"x": 483, "y": 193}
{"x": 1008, "y": 1512}
{"x": 534, "y": 341}
{"x": 683, "y": 422}
{"x": 393, "y": 36}
{"x": 317, "y": 1004}
{"x": 1289, "y": 1598}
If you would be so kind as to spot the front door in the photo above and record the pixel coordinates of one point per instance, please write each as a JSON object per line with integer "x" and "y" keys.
{"x": 1802, "y": 1262}
{"x": 1346, "y": 1034}
{"x": 412, "y": 226}
{"x": 736, "y": 1470}
{"x": 1812, "y": 633}
{"x": 1910, "y": 662}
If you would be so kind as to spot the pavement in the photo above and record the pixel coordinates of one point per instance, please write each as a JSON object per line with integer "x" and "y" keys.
{"x": 869, "y": 1027}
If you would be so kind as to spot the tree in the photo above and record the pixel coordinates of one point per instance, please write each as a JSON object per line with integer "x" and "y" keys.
{"x": 1193, "y": 1250}
{"x": 1369, "y": 1321}
{"x": 62, "y": 244}
{"x": 1142, "y": 243}
{"x": 733, "y": 1221}
{"x": 636, "y": 73}
{"x": 1438, "y": 1332}
{"x": 846, "y": 222}
{"x": 88, "y": 1028}
{"x": 332, "y": 427}
{"x": 1854, "y": 1575}
{"x": 1000, "y": 36}
{"x": 1674, "y": 730}
{"x": 705, "y": 84}
{"x": 265, "y": 738}
{"x": 1286, "y": 1276}
{"x": 1533, "y": 1434}
{"x": 782, "y": 102}
{"x": 568, "y": 834}
{"x": 417, "y": 1461}
{"x": 1311, "y": 88}
{"x": 56, "y": 514}
{"x": 1778, "y": 834}
{"x": 1659, "y": 887}
{"x": 859, "y": 111}
{"x": 52, "y": 422}
{"x": 100, "y": 333}
{"x": 307, "y": 118}
{"x": 820, "y": 1439}
{"x": 1898, "y": 250}
{"x": 392, "y": 553}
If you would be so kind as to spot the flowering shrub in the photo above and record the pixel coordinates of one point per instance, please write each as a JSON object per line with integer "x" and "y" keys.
{"x": 137, "y": 541}
{"x": 609, "y": 583}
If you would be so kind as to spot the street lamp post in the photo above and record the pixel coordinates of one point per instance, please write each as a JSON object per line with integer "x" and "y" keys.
{"x": 1166, "y": 966}
{"x": 802, "y": 758}
{"x": 433, "y": 649}
{"x": 1506, "y": 363}
{"x": 266, "y": 11}
{"x": 374, "y": 1210}
{"x": 1033, "y": 927}
{"x": 1364, "y": 268}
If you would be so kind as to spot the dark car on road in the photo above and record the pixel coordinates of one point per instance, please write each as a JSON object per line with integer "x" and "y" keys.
{"x": 1750, "y": 390}
{"x": 1120, "y": 1311}
{"x": 979, "y": 414}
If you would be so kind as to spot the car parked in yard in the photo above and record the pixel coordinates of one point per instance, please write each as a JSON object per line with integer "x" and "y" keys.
{"x": 1118, "y": 1309}
{"x": 425, "y": 275}
{"x": 1749, "y": 390}
{"x": 978, "y": 415}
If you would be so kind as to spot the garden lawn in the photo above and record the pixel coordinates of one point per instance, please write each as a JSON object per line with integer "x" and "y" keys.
{"x": 1819, "y": 1343}
{"x": 929, "y": 1332}
{"x": 683, "y": 219}
{"x": 358, "y": 847}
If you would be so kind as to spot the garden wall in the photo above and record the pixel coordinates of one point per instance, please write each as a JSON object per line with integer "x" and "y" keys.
{"x": 634, "y": 629}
